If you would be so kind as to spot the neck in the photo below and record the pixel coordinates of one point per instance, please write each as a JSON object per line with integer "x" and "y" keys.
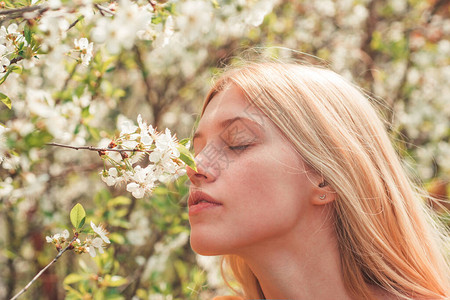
{"x": 301, "y": 265}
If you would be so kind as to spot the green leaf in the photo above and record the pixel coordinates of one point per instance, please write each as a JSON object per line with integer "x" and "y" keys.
{"x": 72, "y": 278}
{"x": 184, "y": 141}
{"x": 114, "y": 281}
{"x": 72, "y": 294}
{"x": 120, "y": 200}
{"x": 187, "y": 157}
{"x": 5, "y": 76}
{"x": 86, "y": 230}
{"x": 77, "y": 216}
{"x": 38, "y": 139}
{"x": 156, "y": 20}
{"x": 5, "y": 99}
{"x": 95, "y": 133}
{"x": 15, "y": 69}
{"x": 215, "y": 4}
{"x": 117, "y": 238}
{"x": 27, "y": 34}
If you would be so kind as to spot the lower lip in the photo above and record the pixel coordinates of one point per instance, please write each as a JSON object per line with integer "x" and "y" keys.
{"x": 202, "y": 206}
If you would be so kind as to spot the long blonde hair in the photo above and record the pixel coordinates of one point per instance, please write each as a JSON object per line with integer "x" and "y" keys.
{"x": 387, "y": 236}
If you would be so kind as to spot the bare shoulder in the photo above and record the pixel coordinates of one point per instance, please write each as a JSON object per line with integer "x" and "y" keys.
{"x": 228, "y": 298}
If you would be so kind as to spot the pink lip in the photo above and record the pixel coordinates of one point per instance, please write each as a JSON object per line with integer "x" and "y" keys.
{"x": 197, "y": 202}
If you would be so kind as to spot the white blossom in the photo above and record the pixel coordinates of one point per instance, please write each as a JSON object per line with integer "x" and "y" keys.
{"x": 54, "y": 4}
{"x": 121, "y": 30}
{"x": 96, "y": 243}
{"x": 163, "y": 39}
{"x": 127, "y": 127}
{"x": 86, "y": 50}
{"x": 101, "y": 231}
{"x": 112, "y": 177}
{"x": 167, "y": 143}
{"x": 3, "y": 130}
{"x": 137, "y": 190}
{"x": 55, "y": 25}
{"x": 141, "y": 229}
{"x": 146, "y": 132}
{"x": 260, "y": 9}
{"x": 6, "y": 187}
{"x": 58, "y": 237}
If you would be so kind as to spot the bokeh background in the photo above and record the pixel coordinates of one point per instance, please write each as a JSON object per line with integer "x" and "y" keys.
{"x": 157, "y": 59}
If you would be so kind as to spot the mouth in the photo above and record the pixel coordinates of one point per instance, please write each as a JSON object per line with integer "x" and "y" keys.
{"x": 199, "y": 197}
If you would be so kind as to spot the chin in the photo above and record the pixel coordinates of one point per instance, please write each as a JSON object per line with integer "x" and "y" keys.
{"x": 206, "y": 246}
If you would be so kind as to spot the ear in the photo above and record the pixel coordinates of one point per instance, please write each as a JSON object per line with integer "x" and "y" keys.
{"x": 322, "y": 193}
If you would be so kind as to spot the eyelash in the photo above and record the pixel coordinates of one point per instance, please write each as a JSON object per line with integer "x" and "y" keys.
{"x": 241, "y": 147}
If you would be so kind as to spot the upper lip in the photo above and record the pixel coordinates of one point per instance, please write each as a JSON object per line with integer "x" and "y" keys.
{"x": 196, "y": 196}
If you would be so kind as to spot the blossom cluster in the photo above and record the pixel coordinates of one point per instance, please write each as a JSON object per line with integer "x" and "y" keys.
{"x": 85, "y": 48}
{"x": 124, "y": 22}
{"x": 2, "y": 142}
{"x": 10, "y": 38}
{"x": 161, "y": 164}
{"x": 89, "y": 245}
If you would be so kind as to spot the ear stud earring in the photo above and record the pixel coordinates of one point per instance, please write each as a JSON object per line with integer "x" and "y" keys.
{"x": 323, "y": 196}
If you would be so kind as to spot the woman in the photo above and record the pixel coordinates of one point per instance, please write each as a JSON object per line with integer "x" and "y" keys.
{"x": 298, "y": 186}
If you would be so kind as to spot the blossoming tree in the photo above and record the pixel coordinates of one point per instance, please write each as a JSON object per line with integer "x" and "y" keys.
{"x": 76, "y": 74}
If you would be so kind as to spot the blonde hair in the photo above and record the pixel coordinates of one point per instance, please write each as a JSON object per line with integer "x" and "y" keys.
{"x": 387, "y": 236}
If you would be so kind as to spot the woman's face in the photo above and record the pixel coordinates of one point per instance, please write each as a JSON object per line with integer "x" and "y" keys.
{"x": 251, "y": 187}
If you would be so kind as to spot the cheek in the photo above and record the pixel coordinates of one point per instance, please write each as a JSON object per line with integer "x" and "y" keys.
{"x": 270, "y": 189}
{"x": 273, "y": 177}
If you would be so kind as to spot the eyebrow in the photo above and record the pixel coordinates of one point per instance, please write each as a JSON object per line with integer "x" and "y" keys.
{"x": 228, "y": 122}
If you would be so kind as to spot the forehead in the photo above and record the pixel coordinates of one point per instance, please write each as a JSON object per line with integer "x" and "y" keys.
{"x": 230, "y": 102}
{"x": 229, "y": 109}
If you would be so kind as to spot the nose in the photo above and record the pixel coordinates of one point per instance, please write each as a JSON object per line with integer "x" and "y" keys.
{"x": 205, "y": 172}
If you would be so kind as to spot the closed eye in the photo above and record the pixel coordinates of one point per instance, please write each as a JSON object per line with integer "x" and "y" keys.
{"x": 238, "y": 148}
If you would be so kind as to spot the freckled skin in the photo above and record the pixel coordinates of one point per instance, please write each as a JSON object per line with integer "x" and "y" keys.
{"x": 265, "y": 190}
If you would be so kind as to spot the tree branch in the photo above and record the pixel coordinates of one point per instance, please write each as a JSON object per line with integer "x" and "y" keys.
{"x": 371, "y": 23}
{"x": 104, "y": 10}
{"x": 44, "y": 269}
{"x": 91, "y": 148}
{"x": 434, "y": 9}
{"x": 144, "y": 73}
{"x": 135, "y": 279}
{"x": 11, "y": 239}
{"x": 75, "y": 23}
{"x": 19, "y": 12}
{"x": 66, "y": 82}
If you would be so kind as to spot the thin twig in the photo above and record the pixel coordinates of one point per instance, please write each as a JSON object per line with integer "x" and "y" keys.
{"x": 371, "y": 24}
{"x": 19, "y": 12}
{"x": 74, "y": 23}
{"x": 66, "y": 82}
{"x": 104, "y": 10}
{"x": 153, "y": 4}
{"x": 94, "y": 148}
{"x": 11, "y": 240}
{"x": 44, "y": 269}
{"x": 136, "y": 278}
